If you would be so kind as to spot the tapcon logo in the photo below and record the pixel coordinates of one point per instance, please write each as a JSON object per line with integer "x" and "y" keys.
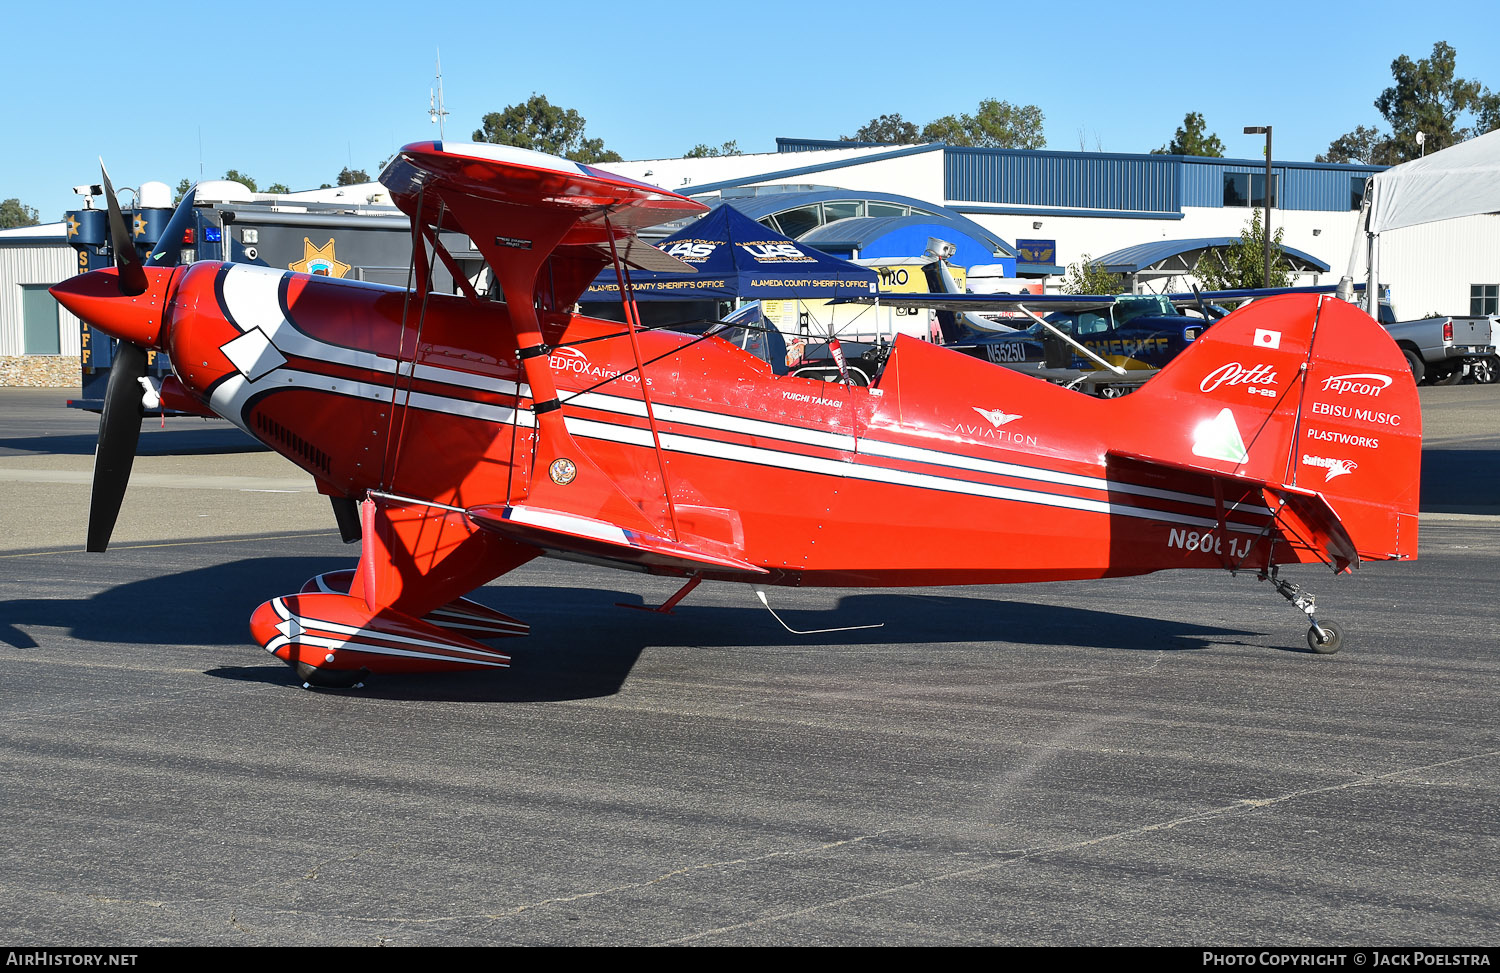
{"x": 1236, "y": 374}
{"x": 1361, "y": 383}
{"x": 1331, "y": 467}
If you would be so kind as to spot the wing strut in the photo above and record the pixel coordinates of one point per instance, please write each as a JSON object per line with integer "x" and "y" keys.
{"x": 451, "y": 264}
{"x": 1289, "y": 473}
{"x": 1069, "y": 339}
{"x": 627, "y": 294}
{"x": 423, "y": 272}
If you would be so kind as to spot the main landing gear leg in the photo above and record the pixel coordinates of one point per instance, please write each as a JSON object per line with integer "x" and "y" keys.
{"x": 666, "y": 607}
{"x": 1324, "y": 638}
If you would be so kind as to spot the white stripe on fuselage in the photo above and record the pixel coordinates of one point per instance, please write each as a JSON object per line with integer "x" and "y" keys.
{"x": 252, "y": 298}
{"x": 230, "y": 397}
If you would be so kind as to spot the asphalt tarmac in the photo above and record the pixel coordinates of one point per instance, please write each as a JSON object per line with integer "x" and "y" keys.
{"x": 1153, "y": 760}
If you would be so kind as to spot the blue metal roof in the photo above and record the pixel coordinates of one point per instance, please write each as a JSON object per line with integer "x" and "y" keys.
{"x": 813, "y": 145}
{"x": 896, "y": 152}
{"x": 906, "y": 236}
{"x": 759, "y": 207}
{"x": 1133, "y": 260}
{"x": 856, "y": 232}
{"x": 1111, "y": 184}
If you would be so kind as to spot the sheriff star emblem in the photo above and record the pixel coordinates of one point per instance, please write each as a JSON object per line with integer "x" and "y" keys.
{"x": 319, "y": 260}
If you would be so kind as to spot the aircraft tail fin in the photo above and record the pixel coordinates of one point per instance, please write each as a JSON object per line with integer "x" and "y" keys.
{"x": 1306, "y": 399}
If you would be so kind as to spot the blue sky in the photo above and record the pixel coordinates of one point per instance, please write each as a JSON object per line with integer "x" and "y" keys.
{"x": 292, "y": 93}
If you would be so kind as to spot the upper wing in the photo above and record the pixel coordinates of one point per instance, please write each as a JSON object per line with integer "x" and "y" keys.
{"x": 471, "y": 187}
{"x": 547, "y": 226}
{"x": 1043, "y": 303}
{"x": 1070, "y": 303}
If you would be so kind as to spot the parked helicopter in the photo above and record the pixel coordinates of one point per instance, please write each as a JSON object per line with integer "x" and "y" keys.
{"x": 460, "y": 436}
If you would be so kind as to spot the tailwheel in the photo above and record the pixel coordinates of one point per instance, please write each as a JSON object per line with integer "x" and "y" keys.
{"x": 1325, "y": 638}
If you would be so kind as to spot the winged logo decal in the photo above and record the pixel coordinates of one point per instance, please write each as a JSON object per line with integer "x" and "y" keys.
{"x": 996, "y": 417}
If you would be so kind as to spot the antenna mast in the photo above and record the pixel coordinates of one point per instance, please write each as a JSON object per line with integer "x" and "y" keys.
{"x": 435, "y": 110}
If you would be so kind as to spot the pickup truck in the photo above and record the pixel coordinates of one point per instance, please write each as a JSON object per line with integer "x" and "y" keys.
{"x": 1445, "y": 350}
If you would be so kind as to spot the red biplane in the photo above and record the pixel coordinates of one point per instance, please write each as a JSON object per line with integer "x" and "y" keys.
{"x": 460, "y": 436}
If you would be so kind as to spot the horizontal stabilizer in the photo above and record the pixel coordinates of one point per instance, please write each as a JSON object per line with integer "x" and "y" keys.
{"x": 566, "y": 533}
{"x": 1302, "y": 516}
{"x": 1307, "y": 516}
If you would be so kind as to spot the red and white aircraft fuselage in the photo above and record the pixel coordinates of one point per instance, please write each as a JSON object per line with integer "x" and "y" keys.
{"x": 477, "y": 434}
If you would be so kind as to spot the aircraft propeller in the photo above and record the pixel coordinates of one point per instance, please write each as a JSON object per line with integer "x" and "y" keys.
{"x": 119, "y": 432}
{"x": 168, "y": 249}
{"x": 120, "y": 423}
{"x": 132, "y": 274}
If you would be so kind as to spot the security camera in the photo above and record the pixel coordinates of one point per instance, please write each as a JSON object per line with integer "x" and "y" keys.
{"x": 89, "y": 189}
{"x": 940, "y": 249}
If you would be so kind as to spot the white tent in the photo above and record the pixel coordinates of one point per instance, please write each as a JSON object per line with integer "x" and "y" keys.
{"x": 1462, "y": 180}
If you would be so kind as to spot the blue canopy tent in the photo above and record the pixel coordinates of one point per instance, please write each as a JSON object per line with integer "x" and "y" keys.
{"x": 737, "y": 258}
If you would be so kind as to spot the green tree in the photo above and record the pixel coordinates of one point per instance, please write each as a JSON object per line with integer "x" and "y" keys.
{"x": 998, "y": 124}
{"x": 350, "y": 177}
{"x": 540, "y": 125}
{"x": 14, "y": 213}
{"x": 278, "y": 188}
{"x": 1088, "y": 277}
{"x": 1242, "y": 264}
{"x": 1429, "y": 98}
{"x": 1364, "y": 144}
{"x": 890, "y": 129}
{"x": 1487, "y": 112}
{"x": 183, "y": 185}
{"x": 234, "y": 175}
{"x": 701, "y": 151}
{"x": 1190, "y": 140}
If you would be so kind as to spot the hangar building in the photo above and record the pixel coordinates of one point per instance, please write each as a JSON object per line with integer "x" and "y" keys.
{"x": 1143, "y": 215}
{"x": 1027, "y": 214}
{"x": 39, "y": 339}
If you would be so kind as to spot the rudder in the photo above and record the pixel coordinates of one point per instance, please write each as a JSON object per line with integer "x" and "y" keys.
{"x": 1305, "y": 394}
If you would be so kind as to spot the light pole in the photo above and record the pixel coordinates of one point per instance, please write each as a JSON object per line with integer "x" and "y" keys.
{"x": 1266, "y": 244}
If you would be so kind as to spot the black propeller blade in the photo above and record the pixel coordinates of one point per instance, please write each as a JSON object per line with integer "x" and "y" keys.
{"x": 120, "y": 424}
{"x": 132, "y": 274}
{"x": 168, "y": 250}
{"x": 119, "y": 431}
